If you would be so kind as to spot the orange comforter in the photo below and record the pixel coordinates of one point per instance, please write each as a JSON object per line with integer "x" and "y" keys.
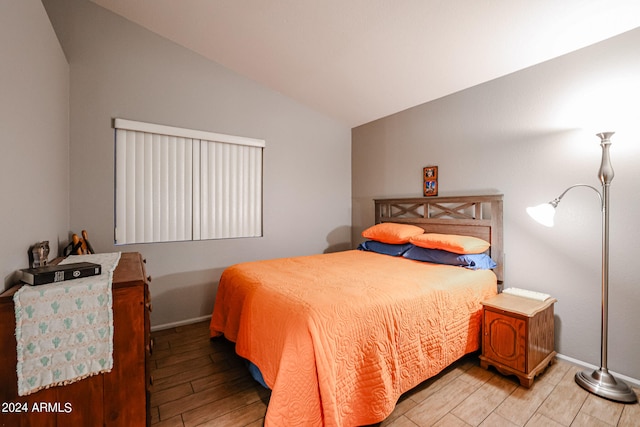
{"x": 339, "y": 337}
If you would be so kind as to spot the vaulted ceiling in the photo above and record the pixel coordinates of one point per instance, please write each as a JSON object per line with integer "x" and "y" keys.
{"x": 360, "y": 60}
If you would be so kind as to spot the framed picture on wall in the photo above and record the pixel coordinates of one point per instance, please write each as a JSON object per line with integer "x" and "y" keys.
{"x": 430, "y": 181}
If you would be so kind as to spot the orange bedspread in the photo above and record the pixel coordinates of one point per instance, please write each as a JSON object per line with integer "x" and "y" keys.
{"x": 339, "y": 337}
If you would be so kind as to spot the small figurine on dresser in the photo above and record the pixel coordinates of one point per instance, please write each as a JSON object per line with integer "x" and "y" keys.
{"x": 39, "y": 254}
{"x": 79, "y": 245}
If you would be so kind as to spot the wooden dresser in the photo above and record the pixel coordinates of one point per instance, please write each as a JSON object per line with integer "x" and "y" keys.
{"x": 518, "y": 336}
{"x": 118, "y": 398}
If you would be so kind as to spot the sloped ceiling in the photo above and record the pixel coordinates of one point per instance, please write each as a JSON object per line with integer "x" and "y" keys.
{"x": 360, "y": 60}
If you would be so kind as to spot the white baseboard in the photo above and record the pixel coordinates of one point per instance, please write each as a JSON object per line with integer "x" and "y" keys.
{"x": 180, "y": 323}
{"x": 633, "y": 382}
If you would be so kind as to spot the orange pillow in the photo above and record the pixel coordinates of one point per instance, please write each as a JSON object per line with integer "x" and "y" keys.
{"x": 392, "y": 232}
{"x": 451, "y": 243}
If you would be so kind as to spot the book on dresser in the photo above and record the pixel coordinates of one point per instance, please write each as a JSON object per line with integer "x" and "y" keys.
{"x": 59, "y": 273}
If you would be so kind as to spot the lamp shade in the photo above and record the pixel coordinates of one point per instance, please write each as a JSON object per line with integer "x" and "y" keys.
{"x": 543, "y": 213}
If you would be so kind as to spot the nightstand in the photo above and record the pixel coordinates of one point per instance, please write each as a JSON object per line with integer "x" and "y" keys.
{"x": 517, "y": 336}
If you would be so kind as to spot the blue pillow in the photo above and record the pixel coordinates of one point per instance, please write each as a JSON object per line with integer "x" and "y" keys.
{"x": 385, "y": 248}
{"x": 437, "y": 256}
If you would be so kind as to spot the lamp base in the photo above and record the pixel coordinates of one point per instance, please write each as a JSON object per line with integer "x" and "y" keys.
{"x": 601, "y": 383}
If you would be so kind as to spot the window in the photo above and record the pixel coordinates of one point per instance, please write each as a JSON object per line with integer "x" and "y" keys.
{"x": 174, "y": 184}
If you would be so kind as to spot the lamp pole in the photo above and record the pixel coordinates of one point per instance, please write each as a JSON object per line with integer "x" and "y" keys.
{"x": 605, "y": 174}
{"x": 600, "y": 381}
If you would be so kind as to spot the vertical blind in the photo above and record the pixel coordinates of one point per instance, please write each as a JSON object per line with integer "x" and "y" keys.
{"x": 175, "y": 184}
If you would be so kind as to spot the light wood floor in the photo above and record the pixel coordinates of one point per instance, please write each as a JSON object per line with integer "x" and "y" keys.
{"x": 202, "y": 382}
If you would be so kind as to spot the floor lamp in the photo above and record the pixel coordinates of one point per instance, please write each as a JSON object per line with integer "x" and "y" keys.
{"x": 599, "y": 382}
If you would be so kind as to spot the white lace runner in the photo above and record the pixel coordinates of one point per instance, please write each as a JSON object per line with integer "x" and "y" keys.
{"x": 64, "y": 330}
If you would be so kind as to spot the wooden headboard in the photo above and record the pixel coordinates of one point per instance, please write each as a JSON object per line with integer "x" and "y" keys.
{"x": 478, "y": 216}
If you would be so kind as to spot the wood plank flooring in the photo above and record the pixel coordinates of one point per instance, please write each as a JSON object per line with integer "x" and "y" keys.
{"x": 198, "y": 382}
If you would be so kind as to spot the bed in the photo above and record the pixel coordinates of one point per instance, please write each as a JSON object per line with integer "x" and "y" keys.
{"x": 338, "y": 337}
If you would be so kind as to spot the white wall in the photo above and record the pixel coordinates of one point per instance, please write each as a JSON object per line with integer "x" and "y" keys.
{"x": 34, "y": 135}
{"x": 119, "y": 69}
{"x": 529, "y": 135}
